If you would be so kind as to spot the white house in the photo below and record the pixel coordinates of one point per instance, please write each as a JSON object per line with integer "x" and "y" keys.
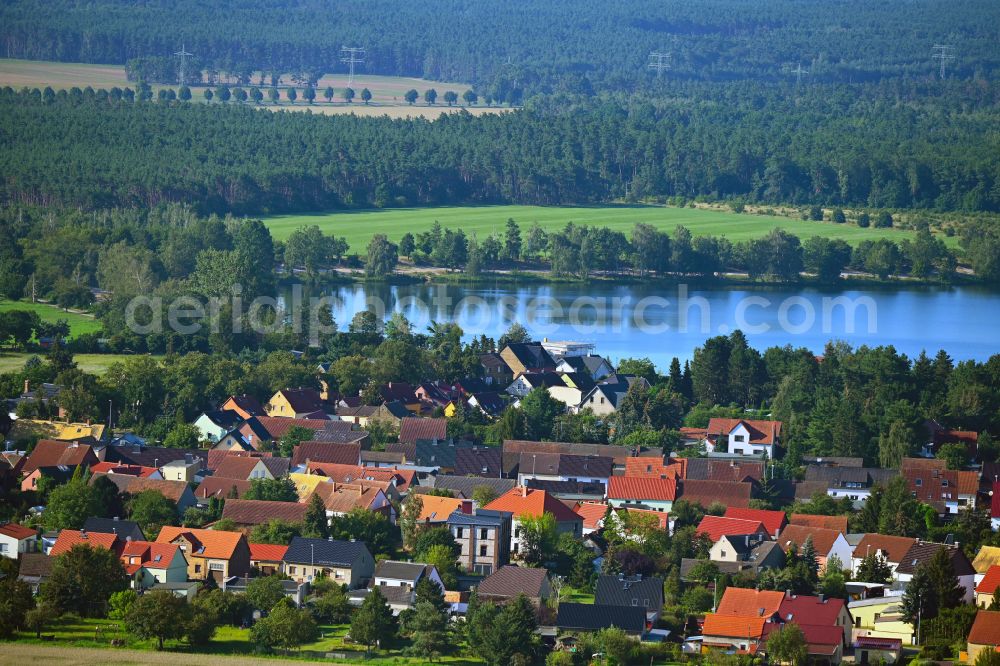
{"x": 214, "y": 425}
{"x": 743, "y": 438}
{"x": 17, "y": 539}
{"x": 597, "y": 367}
{"x": 149, "y": 563}
{"x": 923, "y": 551}
{"x": 828, "y": 543}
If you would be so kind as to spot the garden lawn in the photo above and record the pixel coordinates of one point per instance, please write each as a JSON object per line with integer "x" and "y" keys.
{"x": 95, "y": 364}
{"x": 359, "y": 226}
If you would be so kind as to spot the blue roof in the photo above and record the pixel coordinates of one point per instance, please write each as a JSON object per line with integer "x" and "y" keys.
{"x": 482, "y": 517}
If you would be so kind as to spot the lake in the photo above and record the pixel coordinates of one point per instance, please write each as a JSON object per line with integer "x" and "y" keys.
{"x": 662, "y": 321}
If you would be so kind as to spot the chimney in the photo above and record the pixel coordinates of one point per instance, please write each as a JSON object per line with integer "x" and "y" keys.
{"x": 822, "y": 598}
{"x": 524, "y": 491}
{"x": 467, "y": 507}
{"x": 83, "y": 534}
{"x": 27, "y": 385}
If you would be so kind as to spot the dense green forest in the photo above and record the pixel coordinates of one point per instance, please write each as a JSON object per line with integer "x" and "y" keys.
{"x": 883, "y": 146}
{"x": 527, "y": 44}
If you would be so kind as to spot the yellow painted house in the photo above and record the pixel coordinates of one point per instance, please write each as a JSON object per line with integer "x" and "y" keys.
{"x": 450, "y": 409}
{"x": 880, "y": 617}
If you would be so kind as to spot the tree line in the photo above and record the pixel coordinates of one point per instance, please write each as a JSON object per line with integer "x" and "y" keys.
{"x": 91, "y": 149}
{"x": 580, "y": 251}
{"x": 537, "y": 48}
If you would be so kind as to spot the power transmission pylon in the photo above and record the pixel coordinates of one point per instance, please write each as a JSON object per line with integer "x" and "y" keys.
{"x": 352, "y": 55}
{"x": 182, "y": 54}
{"x": 660, "y": 61}
{"x": 943, "y": 53}
{"x": 798, "y": 73}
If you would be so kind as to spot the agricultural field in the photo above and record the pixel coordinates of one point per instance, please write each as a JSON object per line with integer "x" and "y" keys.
{"x": 387, "y": 91}
{"x": 96, "y": 364}
{"x": 79, "y": 322}
{"x": 359, "y": 226}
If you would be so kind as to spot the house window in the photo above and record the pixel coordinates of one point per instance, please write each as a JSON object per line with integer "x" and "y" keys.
{"x": 216, "y": 566}
{"x": 3, "y": 548}
{"x": 635, "y": 602}
{"x": 944, "y": 483}
{"x": 722, "y": 554}
{"x": 291, "y": 570}
{"x": 919, "y": 482}
{"x": 482, "y": 551}
{"x": 459, "y": 533}
{"x": 739, "y": 438}
{"x": 197, "y": 568}
{"x": 484, "y": 534}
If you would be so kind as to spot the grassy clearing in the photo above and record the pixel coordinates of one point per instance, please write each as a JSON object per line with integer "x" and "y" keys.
{"x": 228, "y": 644}
{"x": 96, "y": 364}
{"x": 79, "y": 322}
{"x": 359, "y": 226}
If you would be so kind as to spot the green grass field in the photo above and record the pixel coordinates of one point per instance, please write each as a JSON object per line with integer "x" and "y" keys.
{"x": 78, "y": 323}
{"x": 96, "y": 364}
{"x": 359, "y": 226}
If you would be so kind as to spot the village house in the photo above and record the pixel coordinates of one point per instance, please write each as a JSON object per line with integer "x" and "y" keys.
{"x": 649, "y": 493}
{"x": 743, "y": 438}
{"x": 246, "y": 406}
{"x": 948, "y": 491}
{"x": 597, "y": 367}
{"x": 716, "y": 527}
{"x": 604, "y": 398}
{"x": 342, "y": 498}
{"x": 124, "y": 529}
{"x": 414, "y": 428}
{"x": 211, "y": 554}
{"x": 346, "y": 562}
{"x": 837, "y": 523}
{"x": 214, "y": 424}
{"x": 188, "y": 470}
{"x": 881, "y": 617}
{"x": 987, "y": 587}
{"x": 631, "y": 592}
{"x": 523, "y": 502}
{"x": 575, "y": 385}
{"x": 526, "y": 357}
{"x": 397, "y": 581}
{"x": 178, "y": 492}
{"x": 773, "y": 521}
{"x": 577, "y": 617}
{"x": 509, "y": 581}
{"x": 707, "y": 493}
{"x": 564, "y": 467}
{"x": 828, "y": 543}
{"x": 306, "y": 453}
{"x": 50, "y": 457}
{"x": 923, "y": 551}
{"x": 526, "y": 383}
{"x": 149, "y": 563}
{"x": 247, "y": 514}
{"x": 892, "y": 549}
{"x": 854, "y": 483}
{"x": 483, "y": 461}
{"x": 985, "y": 634}
{"x": 267, "y": 558}
{"x": 484, "y": 539}
{"x": 15, "y": 540}
{"x": 247, "y": 468}
{"x": 298, "y": 403}
{"x": 496, "y": 372}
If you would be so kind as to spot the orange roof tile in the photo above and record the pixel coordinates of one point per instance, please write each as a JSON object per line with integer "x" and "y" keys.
{"x": 210, "y": 543}
{"x": 741, "y": 601}
{"x": 151, "y": 554}
{"x": 266, "y": 552}
{"x": 893, "y": 548}
{"x": 990, "y": 581}
{"x": 716, "y": 527}
{"x": 651, "y": 467}
{"x": 761, "y": 432}
{"x": 838, "y": 523}
{"x": 662, "y": 516}
{"x": 986, "y": 628}
{"x": 592, "y": 514}
{"x": 774, "y": 521}
{"x": 653, "y": 489}
{"x": 69, "y": 538}
{"x": 733, "y": 626}
{"x": 522, "y": 501}
{"x": 436, "y": 509}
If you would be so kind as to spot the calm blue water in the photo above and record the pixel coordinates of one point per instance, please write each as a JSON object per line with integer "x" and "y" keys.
{"x": 660, "y": 322}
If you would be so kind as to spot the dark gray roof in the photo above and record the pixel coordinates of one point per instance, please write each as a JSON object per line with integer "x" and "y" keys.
{"x": 411, "y": 571}
{"x": 510, "y": 581}
{"x": 123, "y": 528}
{"x": 152, "y": 456}
{"x": 35, "y": 565}
{"x": 481, "y": 517}
{"x": 430, "y": 452}
{"x": 531, "y": 354}
{"x": 224, "y": 418}
{"x": 846, "y": 477}
{"x": 630, "y": 591}
{"x": 465, "y": 486}
{"x": 689, "y": 563}
{"x": 922, "y": 551}
{"x": 593, "y": 617}
{"x": 575, "y": 488}
{"x": 325, "y": 552}
{"x": 478, "y": 461}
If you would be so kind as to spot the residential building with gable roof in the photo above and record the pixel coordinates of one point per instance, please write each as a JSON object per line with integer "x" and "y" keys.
{"x": 15, "y": 540}
{"x": 828, "y": 543}
{"x": 743, "y": 437}
{"x": 564, "y": 467}
{"x": 483, "y": 537}
{"x": 984, "y": 634}
{"x": 716, "y": 527}
{"x": 522, "y": 502}
{"x": 642, "y": 492}
{"x": 923, "y": 551}
{"x": 892, "y": 549}
{"x": 773, "y": 521}
{"x": 346, "y": 562}
{"x": 214, "y": 554}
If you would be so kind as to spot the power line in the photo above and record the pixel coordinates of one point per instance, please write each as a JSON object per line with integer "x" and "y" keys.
{"x": 183, "y": 54}
{"x": 799, "y": 72}
{"x": 660, "y": 61}
{"x": 352, "y": 55}
{"x": 943, "y": 53}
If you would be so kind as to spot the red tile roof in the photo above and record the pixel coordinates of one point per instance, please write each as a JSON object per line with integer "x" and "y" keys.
{"x": 761, "y": 432}
{"x": 149, "y": 554}
{"x": 69, "y": 538}
{"x": 327, "y": 452}
{"x": 522, "y": 501}
{"x": 50, "y": 453}
{"x": 221, "y": 488}
{"x": 19, "y": 532}
{"x": 707, "y": 493}
{"x": 750, "y": 603}
{"x": 990, "y": 581}
{"x": 257, "y": 512}
{"x": 133, "y": 485}
{"x": 806, "y": 609}
{"x": 892, "y": 548}
{"x": 341, "y": 498}
{"x": 277, "y": 426}
{"x": 822, "y": 539}
{"x": 118, "y": 468}
{"x": 216, "y": 458}
{"x": 402, "y": 479}
{"x": 838, "y": 523}
{"x": 638, "y": 488}
{"x": 774, "y": 521}
{"x": 240, "y": 467}
{"x": 716, "y": 527}
{"x": 266, "y": 552}
{"x": 986, "y": 628}
{"x": 662, "y": 517}
{"x": 413, "y": 428}
{"x": 592, "y": 514}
